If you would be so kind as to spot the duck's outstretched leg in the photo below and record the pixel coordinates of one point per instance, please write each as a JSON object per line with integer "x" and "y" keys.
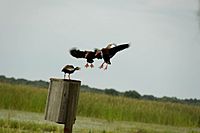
{"x": 91, "y": 65}
{"x": 69, "y": 76}
{"x": 102, "y": 65}
{"x": 86, "y": 65}
{"x": 106, "y": 67}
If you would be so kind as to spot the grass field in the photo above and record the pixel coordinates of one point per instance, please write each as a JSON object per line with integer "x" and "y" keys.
{"x": 100, "y": 106}
{"x": 120, "y": 108}
{"x": 22, "y": 97}
{"x": 26, "y": 122}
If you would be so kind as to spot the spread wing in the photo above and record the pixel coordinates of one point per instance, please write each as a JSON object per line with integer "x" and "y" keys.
{"x": 89, "y": 55}
{"x": 114, "y": 50}
{"x": 77, "y": 53}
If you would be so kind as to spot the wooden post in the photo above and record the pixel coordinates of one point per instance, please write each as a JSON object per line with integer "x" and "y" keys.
{"x": 62, "y": 100}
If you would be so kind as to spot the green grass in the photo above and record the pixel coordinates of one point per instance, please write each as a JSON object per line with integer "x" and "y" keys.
{"x": 22, "y": 97}
{"x": 12, "y": 121}
{"x": 24, "y": 126}
{"x": 121, "y": 108}
{"x": 111, "y": 108}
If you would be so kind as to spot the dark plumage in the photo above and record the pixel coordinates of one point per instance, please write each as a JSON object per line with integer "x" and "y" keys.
{"x": 69, "y": 69}
{"x": 110, "y": 51}
{"x": 88, "y": 55}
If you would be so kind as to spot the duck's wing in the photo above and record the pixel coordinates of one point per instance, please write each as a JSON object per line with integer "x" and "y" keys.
{"x": 89, "y": 55}
{"x": 68, "y": 68}
{"x": 114, "y": 50}
{"x": 78, "y": 53}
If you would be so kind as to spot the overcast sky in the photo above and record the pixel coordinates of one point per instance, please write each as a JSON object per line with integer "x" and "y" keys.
{"x": 163, "y": 60}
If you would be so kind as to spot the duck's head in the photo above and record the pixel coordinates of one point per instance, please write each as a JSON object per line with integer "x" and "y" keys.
{"x": 110, "y": 45}
{"x": 77, "y": 68}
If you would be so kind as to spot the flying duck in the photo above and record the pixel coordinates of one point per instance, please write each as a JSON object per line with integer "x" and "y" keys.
{"x": 88, "y": 55}
{"x": 108, "y": 52}
{"x": 69, "y": 69}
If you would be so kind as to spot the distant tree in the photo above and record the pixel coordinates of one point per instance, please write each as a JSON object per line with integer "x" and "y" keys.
{"x": 37, "y": 83}
{"x": 169, "y": 99}
{"x": 191, "y": 101}
{"x": 132, "y": 94}
{"x": 2, "y": 77}
{"x": 86, "y": 88}
{"x": 112, "y": 92}
{"x": 149, "y": 97}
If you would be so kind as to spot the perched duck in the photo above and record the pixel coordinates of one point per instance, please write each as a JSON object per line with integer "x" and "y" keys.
{"x": 88, "y": 55}
{"x": 108, "y": 52}
{"x": 69, "y": 69}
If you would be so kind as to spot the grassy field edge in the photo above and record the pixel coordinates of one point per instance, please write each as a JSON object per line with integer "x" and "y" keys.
{"x": 110, "y": 108}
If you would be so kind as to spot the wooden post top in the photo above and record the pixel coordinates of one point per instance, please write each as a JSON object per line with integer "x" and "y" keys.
{"x": 56, "y": 79}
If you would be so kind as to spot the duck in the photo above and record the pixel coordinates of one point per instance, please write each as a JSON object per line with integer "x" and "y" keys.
{"x": 108, "y": 52}
{"x": 69, "y": 69}
{"x": 88, "y": 55}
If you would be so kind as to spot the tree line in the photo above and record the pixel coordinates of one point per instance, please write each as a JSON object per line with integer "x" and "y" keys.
{"x": 130, "y": 94}
{"x": 136, "y": 95}
{"x": 36, "y": 83}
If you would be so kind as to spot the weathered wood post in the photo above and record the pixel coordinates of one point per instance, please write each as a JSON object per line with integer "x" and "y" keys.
{"x": 61, "y": 103}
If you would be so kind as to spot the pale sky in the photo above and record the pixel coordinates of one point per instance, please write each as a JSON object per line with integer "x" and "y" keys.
{"x": 163, "y": 60}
